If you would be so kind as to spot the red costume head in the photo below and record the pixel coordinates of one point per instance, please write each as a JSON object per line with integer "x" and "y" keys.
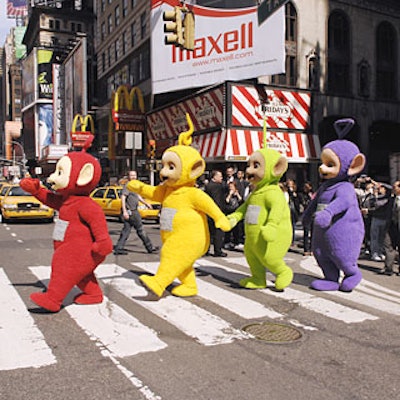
{"x": 77, "y": 173}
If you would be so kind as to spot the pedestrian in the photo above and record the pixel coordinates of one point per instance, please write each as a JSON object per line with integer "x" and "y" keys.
{"x": 294, "y": 204}
{"x": 133, "y": 219}
{"x": 305, "y": 197}
{"x": 391, "y": 243}
{"x": 233, "y": 201}
{"x": 216, "y": 189}
{"x": 379, "y": 209}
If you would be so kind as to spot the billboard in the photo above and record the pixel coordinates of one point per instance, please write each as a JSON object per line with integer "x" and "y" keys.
{"x": 20, "y": 49}
{"x": 45, "y": 73}
{"x": 75, "y": 67}
{"x": 229, "y": 45}
{"x": 28, "y": 79}
{"x": 16, "y": 8}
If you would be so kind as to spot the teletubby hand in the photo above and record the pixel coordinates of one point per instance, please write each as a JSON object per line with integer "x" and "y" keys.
{"x": 135, "y": 186}
{"x": 30, "y": 185}
{"x": 102, "y": 247}
{"x": 323, "y": 218}
{"x": 268, "y": 232}
{"x": 223, "y": 223}
{"x": 233, "y": 222}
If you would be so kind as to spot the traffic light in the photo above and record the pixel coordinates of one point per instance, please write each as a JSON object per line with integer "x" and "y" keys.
{"x": 152, "y": 149}
{"x": 188, "y": 31}
{"x": 173, "y": 26}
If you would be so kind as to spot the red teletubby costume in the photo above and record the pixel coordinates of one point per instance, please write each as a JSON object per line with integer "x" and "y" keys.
{"x": 81, "y": 238}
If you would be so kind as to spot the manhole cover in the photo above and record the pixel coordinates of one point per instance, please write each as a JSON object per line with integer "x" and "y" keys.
{"x": 273, "y": 333}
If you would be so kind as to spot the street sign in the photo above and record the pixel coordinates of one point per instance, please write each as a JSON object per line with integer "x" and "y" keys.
{"x": 267, "y": 8}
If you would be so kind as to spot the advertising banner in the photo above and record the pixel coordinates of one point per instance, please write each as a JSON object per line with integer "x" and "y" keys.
{"x": 20, "y": 49}
{"x": 45, "y": 73}
{"x": 16, "y": 8}
{"x": 229, "y": 44}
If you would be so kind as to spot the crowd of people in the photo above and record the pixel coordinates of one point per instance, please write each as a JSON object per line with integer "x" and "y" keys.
{"x": 379, "y": 204}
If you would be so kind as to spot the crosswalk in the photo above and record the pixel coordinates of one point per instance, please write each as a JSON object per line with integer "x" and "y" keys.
{"x": 119, "y": 334}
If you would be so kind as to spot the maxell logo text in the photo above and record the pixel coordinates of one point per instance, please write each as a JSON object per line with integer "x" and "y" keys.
{"x": 226, "y": 42}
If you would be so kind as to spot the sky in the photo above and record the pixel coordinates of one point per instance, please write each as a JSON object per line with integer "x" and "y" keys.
{"x": 5, "y": 23}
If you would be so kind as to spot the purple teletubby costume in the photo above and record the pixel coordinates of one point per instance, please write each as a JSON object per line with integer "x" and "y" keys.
{"x": 338, "y": 228}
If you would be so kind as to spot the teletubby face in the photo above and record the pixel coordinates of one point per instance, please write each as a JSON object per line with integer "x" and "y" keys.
{"x": 256, "y": 168}
{"x": 77, "y": 173}
{"x": 330, "y": 166}
{"x": 59, "y": 179}
{"x": 171, "y": 168}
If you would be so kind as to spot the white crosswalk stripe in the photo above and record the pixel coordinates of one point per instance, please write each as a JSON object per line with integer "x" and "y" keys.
{"x": 307, "y": 300}
{"x": 119, "y": 334}
{"x": 233, "y": 302}
{"x": 366, "y": 293}
{"x": 204, "y": 327}
{"x": 22, "y": 344}
{"x": 109, "y": 324}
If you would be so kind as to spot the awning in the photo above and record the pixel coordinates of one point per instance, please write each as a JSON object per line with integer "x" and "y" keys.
{"x": 239, "y": 144}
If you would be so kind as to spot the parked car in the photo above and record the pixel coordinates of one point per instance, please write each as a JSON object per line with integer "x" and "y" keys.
{"x": 18, "y": 204}
{"x": 109, "y": 199}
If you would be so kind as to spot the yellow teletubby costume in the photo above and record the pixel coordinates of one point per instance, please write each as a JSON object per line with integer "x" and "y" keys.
{"x": 183, "y": 222}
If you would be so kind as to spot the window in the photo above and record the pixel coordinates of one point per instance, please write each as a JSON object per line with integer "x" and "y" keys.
{"x": 117, "y": 49}
{"x": 124, "y": 42}
{"x": 289, "y": 78}
{"x": 117, "y": 16}
{"x": 110, "y": 23}
{"x": 103, "y": 61}
{"x": 57, "y": 25}
{"x": 133, "y": 34}
{"x": 103, "y": 5}
{"x": 109, "y": 56}
{"x": 338, "y": 53}
{"x": 103, "y": 31}
{"x": 143, "y": 26}
{"x": 124, "y": 8}
{"x": 73, "y": 27}
{"x": 386, "y": 62}
{"x": 133, "y": 3}
{"x": 51, "y": 24}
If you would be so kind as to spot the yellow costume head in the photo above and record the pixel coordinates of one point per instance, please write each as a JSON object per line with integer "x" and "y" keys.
{"x": 182, "y": 164}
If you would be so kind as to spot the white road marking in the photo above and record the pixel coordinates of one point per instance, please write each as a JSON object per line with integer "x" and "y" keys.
{"x": 239, "y": 305}
{"x": 121, "y": 333}
{"x": 366, "y": 293}
{"x": 307, "y": 300}
{"x": 22, "y": 344}
{"x": 204, "y": 327}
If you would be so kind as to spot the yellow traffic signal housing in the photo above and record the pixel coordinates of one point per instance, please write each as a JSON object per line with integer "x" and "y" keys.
{"x": 188, "y": 31}
{"x": 173, "y": 23}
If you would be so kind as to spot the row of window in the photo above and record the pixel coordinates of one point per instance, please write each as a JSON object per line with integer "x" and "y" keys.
{"x": 115, "y": 18}
{"x": 339, "y": 75}
{"x": 128, "y": 38}
{"x": 55, "y": 24}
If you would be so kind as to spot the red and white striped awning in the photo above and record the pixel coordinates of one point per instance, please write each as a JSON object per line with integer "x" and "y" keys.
{"x": 239, "y": 144}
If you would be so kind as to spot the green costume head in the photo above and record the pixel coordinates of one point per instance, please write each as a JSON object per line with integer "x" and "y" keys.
{"x": 266, "y": 167}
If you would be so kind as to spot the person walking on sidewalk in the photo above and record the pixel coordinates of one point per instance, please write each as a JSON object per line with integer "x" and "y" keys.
{"x": 133, "y": 219}
{"x": 391, "y": 242}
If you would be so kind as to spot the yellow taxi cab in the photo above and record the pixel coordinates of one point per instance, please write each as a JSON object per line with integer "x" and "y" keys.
{"x": 18, "y": 204}
{"x": 3, "y": 190}
{"x": 109, "y": 199}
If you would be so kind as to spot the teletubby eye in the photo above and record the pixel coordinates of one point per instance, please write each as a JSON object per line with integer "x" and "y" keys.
{"x": 171, "y": 167}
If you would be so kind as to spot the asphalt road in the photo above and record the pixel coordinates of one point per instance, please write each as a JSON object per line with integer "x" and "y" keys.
{"x": 329, "y": 345}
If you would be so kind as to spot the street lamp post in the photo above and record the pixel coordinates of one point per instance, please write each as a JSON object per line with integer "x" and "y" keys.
{"x": 24, "y": 160}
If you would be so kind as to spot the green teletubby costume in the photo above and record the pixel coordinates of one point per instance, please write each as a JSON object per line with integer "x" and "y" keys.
{"x": 268, "y": 227}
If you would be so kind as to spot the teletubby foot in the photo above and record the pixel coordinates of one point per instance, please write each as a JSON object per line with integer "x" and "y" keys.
{"x": 253, "y": 283}
{"x": 284, "y": 279}
{"x": 88, "y": 299}
{"x": 43, "y": 300}
{"x": 350, "y": 282}
{"x": 324, "y": 285}
{"x": 151, "y": 283}
{"x": 184, "y": 291}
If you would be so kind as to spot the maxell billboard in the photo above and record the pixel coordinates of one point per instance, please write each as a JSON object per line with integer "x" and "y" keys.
{"x": 229, "y": 45}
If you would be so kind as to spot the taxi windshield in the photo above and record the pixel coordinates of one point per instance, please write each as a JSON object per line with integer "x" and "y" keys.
{"x": 18, "y": 191}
